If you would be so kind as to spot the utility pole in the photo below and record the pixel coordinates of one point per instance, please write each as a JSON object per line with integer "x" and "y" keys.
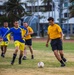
{"x": 60, "y": 12}
{"x": 38, "y": 31}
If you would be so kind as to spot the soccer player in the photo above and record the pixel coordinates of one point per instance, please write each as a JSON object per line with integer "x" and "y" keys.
{"x": 56, "y": 36}
{"x": 16, "y": 31}
{"x": 28, "y": 40}
{"x": 5, "y": 41}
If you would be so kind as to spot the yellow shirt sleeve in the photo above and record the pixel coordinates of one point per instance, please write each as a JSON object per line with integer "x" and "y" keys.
{"x": 8, "y": 37}
{"x": 59, "y": 28}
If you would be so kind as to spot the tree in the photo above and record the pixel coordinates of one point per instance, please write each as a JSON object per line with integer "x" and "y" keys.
{"x": 49, "y": 5}
{"x": 71, "y": 8}
{"x": 14, "y": 9}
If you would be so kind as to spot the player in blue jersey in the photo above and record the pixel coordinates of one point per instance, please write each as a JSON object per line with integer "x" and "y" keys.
{"x": 5, "y": 41}
{"x": 17, "y": 33}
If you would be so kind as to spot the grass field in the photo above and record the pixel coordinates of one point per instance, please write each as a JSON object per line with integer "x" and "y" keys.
{"x": 41, "y": 53}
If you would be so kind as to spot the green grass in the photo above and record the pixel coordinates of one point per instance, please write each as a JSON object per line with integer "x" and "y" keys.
{"x": 41, "y": 53}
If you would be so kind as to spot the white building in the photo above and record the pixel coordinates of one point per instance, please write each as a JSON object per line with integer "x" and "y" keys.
{"x": 53, "y": 13}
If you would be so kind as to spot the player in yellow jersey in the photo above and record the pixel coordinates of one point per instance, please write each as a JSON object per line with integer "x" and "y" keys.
{"x": 56, "y": 36}
{"x": 28, "y": 40}
{"x": 5, "y": 41}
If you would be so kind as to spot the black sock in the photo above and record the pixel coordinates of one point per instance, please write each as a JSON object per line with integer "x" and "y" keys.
{"x": 20, "y": 57}
{"x": 61, "y": 62}
{"x": 64, "y": 59}
{"x": 14, "y": 56}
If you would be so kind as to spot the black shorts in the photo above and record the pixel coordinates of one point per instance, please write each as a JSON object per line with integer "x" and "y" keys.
{"x": 28, "y": 42}
{"x": 56, "y": 44}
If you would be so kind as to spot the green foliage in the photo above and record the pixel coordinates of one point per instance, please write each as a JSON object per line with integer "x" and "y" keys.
{"x": 71, "y": 8}
{"x": 14, "y": 9}
{"x": 2, "y": 19}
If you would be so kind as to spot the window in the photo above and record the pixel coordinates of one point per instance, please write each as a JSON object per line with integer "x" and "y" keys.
{"x": 65, "y": 15}
{"x": 66, "y": 4}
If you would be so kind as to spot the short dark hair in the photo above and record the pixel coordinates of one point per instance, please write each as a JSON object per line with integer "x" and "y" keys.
{"x": 15, "y": 21}
{"x": 50, "y": 18}
{"x": 5, "y": 21}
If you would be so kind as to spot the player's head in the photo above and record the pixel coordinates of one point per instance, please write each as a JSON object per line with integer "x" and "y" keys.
{"x": 25, "y": 24}
{"x": 16, "y": 23}
{"x": 51, "y": 20}
{"x": 5, "y": 24}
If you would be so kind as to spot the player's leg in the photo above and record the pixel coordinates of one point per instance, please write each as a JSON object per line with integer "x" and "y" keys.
{"x": 20, "y": 56}
{"x": 62, "y": 55}
{"x": 5, "y": 46}
{"x": 55, "y": 47}
{"x": 2, "y": 52}
{"x": 25, "y": 53}
{"x": 31, "y": 50}
{"x": 15, "y": 52}
{"x": 59, "y": 58}
{"x": 29, "y": 43}
{"x": 60, "y": 48}
{"x": 5, "y": 49}
{"x": 21, "y": 47}
{"x": 2, "y": 48}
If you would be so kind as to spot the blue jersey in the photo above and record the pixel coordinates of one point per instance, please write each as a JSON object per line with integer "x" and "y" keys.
{"x": 16, "y": 33}
{"x": 3, "y": 30}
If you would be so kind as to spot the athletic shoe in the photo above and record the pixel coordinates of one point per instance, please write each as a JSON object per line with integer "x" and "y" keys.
{"x": 12, "y": 62}
{"x": 24, "y": 58}
{"x": 2, "y": 55}
{"x": 62, "y": 65}
{"x": 32, "y": 56}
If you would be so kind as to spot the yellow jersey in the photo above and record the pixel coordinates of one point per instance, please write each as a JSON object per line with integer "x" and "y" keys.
{"x": 29, "y": 30}
{"x": 54, "y": 31}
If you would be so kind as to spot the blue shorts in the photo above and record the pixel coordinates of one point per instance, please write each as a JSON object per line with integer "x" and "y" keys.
{"x": 28, "y": 42}
{"x": 56, "y": 44}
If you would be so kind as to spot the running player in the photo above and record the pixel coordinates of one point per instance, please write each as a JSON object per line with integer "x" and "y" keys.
{"x": 16, "y": 31}
{"x": 5, "y": 41}
{"x": 56, "y": 36}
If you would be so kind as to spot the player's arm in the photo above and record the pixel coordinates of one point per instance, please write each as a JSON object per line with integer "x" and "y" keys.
{"x": 30, "y": 31}
{"x": 1, "y": 35}
{"x": 48, "y": 38}
{"x": 24, "y": 33}
{"x": 9, "y": 37}
{"x": 60, "y": 31}
{"x": 9, "y": 31}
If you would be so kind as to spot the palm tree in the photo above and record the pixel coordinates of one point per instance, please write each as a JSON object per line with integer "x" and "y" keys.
{"x": 71, "y": 8}
{"x": 48, "y": 5}
{"x": 14, "y": 9}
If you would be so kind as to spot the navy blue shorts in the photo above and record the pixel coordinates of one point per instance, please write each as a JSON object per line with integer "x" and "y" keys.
{"x": 56, "y": 44}
{"x": 28, "y": 42}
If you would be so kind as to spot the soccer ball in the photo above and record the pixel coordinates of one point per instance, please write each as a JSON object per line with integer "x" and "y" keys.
{"x": 40, "y": 64}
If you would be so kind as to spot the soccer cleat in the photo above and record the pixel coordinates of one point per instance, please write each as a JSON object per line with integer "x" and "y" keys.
{"x": 32, "y": 56}
{"x": 62, "y": 65}
{"x": 2, "y": 55}
{"x": 24, "y": 58}
{"x": 12, "y": 62}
